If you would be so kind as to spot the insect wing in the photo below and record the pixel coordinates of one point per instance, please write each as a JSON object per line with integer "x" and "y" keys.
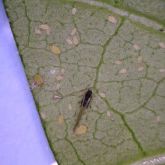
{"x": 89, "y": 100}
{"x": 86, "y": 99}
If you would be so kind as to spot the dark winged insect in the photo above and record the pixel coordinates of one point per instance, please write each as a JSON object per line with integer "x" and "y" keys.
{"x": 84, "y": 105}
{"x": 86, "y": 99}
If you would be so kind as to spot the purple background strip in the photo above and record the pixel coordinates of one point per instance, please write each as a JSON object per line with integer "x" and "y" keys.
{"x": 22, "y": 139}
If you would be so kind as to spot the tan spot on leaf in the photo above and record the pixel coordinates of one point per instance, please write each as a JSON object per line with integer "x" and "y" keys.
{"x": 70, "y": 106}
{"x": 62, "y": 70}
{"x": 112, "y": 19}
{"x": 59, "y": 77}
{"x": 69, "y": 41}
{"x": 43, "y": 115}
{"x": 80, "y": 130}
{"x": 54, "y": 49}
{"x": 136, "y": 47}
{"x": 73, "y": 32}
{"x": 157, "y": 119}
{"x": 162, "y": 70}
{"x": 74, "y": 10}
{"x": 33, "y": 85}
{"x": 102, "y": 94}
{"x": 123, "y": 71}
{"x": 37, "y": 31}
{"x": 38, "y": 80}
{"x": 45, "y": 28}
{"x": 118, "y": 62}
{"x": 140, "y": 68}
{"x": 57, "y": 97}
{"x": 60, "y": 119}
{"x": 75, "y": 40}
{"x": 109, "y": 114}
{"x": 52, "y": 71}
{"x": 162, "y": 45}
